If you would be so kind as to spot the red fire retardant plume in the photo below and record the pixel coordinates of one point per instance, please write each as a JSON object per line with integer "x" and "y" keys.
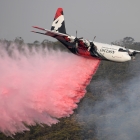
{"x": 40, "y": 86}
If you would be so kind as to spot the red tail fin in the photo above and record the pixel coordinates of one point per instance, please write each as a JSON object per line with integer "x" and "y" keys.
{"x": 59, "y": 23}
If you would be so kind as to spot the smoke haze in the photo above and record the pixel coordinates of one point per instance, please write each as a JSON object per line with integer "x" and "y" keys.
{"x": 115, "y": 114}
{"x": 39, "y": 85}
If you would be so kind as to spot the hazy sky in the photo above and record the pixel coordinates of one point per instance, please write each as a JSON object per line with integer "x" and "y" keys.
{"x": 109, "y": 20}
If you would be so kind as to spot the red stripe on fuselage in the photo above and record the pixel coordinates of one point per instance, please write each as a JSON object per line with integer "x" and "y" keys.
{"x": 84, "y": 52}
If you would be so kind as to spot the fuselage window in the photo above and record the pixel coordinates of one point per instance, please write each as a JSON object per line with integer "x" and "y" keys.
{"x": 122, "y": 50}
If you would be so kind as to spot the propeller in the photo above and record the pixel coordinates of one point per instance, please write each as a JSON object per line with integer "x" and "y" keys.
{"x": 91, "y": 43}
{"x": 76, "y": 40}
{"x": 132, "y": 54}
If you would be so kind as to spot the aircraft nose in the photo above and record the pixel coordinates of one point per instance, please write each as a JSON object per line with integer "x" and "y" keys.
{"x": 127, "y": 57}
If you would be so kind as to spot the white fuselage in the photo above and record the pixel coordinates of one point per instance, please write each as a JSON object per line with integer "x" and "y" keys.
{"x": 112, "y": 52}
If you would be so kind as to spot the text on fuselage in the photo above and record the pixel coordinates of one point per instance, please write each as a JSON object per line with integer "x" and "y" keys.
{"x": 107, "y": 51}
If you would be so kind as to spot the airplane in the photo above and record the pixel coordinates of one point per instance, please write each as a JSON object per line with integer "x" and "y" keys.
{"x": 84, "y": 47}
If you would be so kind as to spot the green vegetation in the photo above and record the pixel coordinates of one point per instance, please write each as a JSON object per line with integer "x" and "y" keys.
{"x": 66, "y": 129}
{"x": 88, "y": 121}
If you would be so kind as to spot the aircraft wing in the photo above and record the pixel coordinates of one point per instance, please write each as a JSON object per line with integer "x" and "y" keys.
{"x": 134, "y": 51}
{"x": 54, "y": 34}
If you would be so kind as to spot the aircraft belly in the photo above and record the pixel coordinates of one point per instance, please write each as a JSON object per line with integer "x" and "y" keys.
{"x": 114, "y": 57}
{"x": 119, "y": 57}
{"x": 83, "y": 52}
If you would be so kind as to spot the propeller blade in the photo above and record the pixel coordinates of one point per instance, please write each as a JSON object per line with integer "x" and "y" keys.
{"x": 94, "y": 38}
{"x": 76, "y": 40}
{"x": 76, "y": 45}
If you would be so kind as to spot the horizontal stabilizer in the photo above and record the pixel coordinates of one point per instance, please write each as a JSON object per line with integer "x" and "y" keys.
{"x": 39, "y": 28}
{"x": 55, "y": 33}
{"x": 38, "y": 32}
{"x": 49, "y": 32}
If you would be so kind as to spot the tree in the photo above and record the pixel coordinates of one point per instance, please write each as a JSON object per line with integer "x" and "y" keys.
{"x": 36, "y": 42}
{"x": 19, "y": 40}
{"x": 125, "y": 42}
{"x": 128, "y": 41}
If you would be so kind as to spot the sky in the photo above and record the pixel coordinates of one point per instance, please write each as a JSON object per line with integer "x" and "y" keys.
{"x": 108, "y": 20}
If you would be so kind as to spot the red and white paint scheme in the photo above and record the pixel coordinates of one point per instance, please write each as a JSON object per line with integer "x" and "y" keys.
{"x": 84, "y": 47}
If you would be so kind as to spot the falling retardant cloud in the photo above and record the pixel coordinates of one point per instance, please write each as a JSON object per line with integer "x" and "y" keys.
{"x": 40, "y": 86}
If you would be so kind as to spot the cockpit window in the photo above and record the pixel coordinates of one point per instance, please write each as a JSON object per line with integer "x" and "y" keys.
{"x": 122, "y": 50}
